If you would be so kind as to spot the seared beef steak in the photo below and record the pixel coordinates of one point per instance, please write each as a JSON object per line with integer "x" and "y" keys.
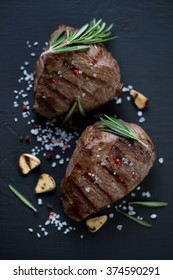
{"x": 104, "y": 168}
{"x": 92, "y": 74}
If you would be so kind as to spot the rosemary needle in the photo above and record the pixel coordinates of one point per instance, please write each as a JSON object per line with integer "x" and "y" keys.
{"x": 141, "y": 222}
{"x": 149, "y": 203}
{"x": 70, "y": 112}
{"x": 76, "y": 105}
{"x": 22, "y": 198}
{"x": 80, "y": 108}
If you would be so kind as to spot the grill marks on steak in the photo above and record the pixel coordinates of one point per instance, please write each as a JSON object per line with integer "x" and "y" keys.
{"x": 92, "y": 176}
{"x": 98, "y": 80}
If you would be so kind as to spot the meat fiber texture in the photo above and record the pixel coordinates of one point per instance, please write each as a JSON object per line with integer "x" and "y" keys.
{"x": 57, "y": 86}
{"x": 103, "y": 169}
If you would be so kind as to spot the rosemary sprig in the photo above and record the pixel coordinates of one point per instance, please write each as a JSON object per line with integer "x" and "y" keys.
{"x": 141, "y": 222}
{"x": 76, "y": 106}
{"x": 149, "y": 203}
{"x": 22, "y": 198}
{"x": 114, "y": 126}
{"x": 70, "y": 112}
{"x": 67, "y": 40}
{"x": 80, "y": 108}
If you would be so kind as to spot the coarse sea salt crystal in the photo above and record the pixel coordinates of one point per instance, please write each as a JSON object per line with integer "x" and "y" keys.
{"x": 15, "y": 105}
{"x": 153, "y": 216}
{"x": 24, "y": 95}
{"x": 54, "y": 164}
{"x": 125, "y": 89}
{"x": 133, "y": 194}
{"x": 61, "y": 161}
{"x": 66, "y": 231}
{"x": 111, "y": 215}
{"x": 38, "y": 235}
{"x": 40, "y": 202}
{"x": 128, "y": 98}
{"x": 131, "y": 213}
{"x": 81, "y": 236}
{"x": 39, "y": 139}
{"x": 45, "y": 233}
{"x": 24, "y": 115}
{"x": 119, "y": 227}
{"x": 130, "y": 208}
{"x": 33, "y": 54}
{"x": 47, "y": 222}
{"x": 119, "y": 100}
{"x": 140, "y": 113}
{"x": 30, "y": 229}
{"x": 141, "y": 119}
{"x": 161, "y": 160}
{"x": 47, "y": 147}
{"x": 148, "y": 194}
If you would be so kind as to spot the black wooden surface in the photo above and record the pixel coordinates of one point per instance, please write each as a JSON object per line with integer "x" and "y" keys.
{"x": 144, "y": 52}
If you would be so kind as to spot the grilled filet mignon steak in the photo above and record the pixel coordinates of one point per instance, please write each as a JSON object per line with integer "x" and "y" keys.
{"x": 92, "y": 74}
{"x": 103, "y": 169}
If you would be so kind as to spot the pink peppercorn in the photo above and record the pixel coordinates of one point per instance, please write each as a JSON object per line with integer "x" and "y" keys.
{"x": 94, "y": 58}
{"x": 120, "y": 179}
{"x": 24, "y": 108}
{"x": 76, "y": 71}
{"x": 57, "y": 57}
{"x": 117, "y": 161}
{"x": 53, "y": 81}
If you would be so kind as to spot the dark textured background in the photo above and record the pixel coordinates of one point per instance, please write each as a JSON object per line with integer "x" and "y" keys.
{"x": 144, "y": 51}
